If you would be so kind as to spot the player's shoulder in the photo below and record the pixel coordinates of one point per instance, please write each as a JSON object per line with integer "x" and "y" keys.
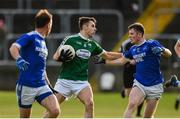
{"x": 72, "y": 36}
{"x": 26, "y": 35}
{"x": 34, "y": 34}
{"x": 30, "y": 34}
{"x": 151, "y": 40}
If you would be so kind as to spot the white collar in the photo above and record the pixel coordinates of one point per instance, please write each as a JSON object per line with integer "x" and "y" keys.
{"x": 83, "y": 37}
{"x": 141, "y": 43}
{"x": 39, "y": 34}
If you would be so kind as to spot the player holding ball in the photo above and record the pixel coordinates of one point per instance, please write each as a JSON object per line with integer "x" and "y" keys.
{"x": 73, "y": 73}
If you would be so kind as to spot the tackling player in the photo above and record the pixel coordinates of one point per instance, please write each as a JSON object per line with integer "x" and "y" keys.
{"x": 30, "y": 53}
{"x": 148, "y": 78}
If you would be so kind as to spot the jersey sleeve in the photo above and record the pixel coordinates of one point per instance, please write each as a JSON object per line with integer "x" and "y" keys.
{"x": 24, "y": 40}
{"x": 97, "y": 50}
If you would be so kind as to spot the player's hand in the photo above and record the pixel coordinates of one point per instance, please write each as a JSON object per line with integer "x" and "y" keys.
{"x": 22, "y": 64}
{"x": 173, "y": 81}
{"x": 52, "y": 89}
{"x": 157, "y": 50}
{"x": 132, "y": 62}
{"x": 98, "y": 60}
{"x": 65, "y": 55}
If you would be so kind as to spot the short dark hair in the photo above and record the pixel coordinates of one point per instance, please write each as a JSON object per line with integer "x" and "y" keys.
{"x": 84, "y": 20}
{"x": 42, "y": 18}
{"x": 138, "y": 27}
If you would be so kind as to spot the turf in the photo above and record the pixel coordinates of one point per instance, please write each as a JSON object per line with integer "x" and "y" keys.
{"x": 107, "y": 105}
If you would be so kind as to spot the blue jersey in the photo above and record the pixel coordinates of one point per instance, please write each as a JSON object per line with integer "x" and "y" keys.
{"x": 147, "y": 64}
{"x": 33, "y": 49}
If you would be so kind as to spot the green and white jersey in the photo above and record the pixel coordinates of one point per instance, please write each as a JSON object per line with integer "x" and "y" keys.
{"x": 77, "y": 69}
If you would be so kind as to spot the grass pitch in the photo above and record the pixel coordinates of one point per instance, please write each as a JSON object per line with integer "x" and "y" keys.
{"x": 107, "y": 105}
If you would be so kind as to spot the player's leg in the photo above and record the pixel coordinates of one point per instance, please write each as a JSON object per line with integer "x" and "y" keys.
{"x": 150, "y": 108}
{"x": 25, "y": 112}
{"x": 25, "y": 97}
{"x": 128, "y": 83}
{"x": 139, "y": 108}
{"x": 60, "y": 98}
{"x": 63, "y": 87}
{"x": 86, "y": 97}
{"x": 48, "y": 100}
{"x": 153, "y": 96}
{"x": 52, "y": 106}
{"x": 136, "y": 97}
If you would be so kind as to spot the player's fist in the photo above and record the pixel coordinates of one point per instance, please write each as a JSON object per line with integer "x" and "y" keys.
{"x": 157, "y": 50}
{"x": 22, "y": 64}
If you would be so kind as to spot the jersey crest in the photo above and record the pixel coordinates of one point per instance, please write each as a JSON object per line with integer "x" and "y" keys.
{"x": 83, "y": 53}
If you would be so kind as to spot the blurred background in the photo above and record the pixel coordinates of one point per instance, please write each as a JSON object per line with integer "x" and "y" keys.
{"x": 160, "y": 18}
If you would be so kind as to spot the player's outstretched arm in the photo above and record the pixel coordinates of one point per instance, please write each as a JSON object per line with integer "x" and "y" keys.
{"x": 114, "y": 55}
{"x": 119, "y": 61}
{"x": 111, "y": 55}
{"x": 166, "y": 52}
{"x": 113, "y": 58}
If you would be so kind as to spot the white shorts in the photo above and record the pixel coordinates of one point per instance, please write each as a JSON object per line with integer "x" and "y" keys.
{"x": 150, "y": 92}
{"x": 70, "y": 87}
{"x": 27, "y": 95}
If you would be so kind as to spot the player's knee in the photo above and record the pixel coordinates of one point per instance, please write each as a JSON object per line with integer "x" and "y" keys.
{"x": 55, "y": 112}
{"x": 132, "y": 104}
{"x": 89, "y": 104}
